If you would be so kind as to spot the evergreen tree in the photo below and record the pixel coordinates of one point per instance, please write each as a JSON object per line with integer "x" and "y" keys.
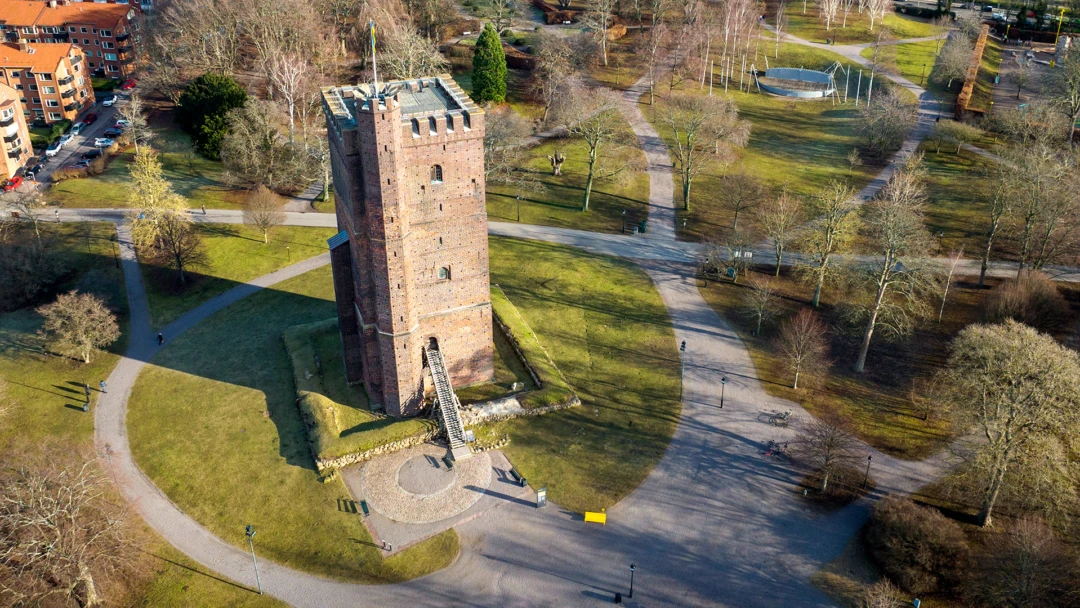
{"x": 489, "y": 68}
{"x": 202, "y": 108}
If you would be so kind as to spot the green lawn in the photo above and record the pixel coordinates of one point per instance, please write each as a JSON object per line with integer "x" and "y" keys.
{"x": 45, "y": 390}
{"x": 625, "y": 64}
{"x": 955, "y": 206}
{"x": 802, "y": 145}
{"x": 237, "y": 254}
{"x": 606, "y": 328}
{"x": 810, "y": 27}
{"x": 213, "y": 421}
{"x": 915, "y": 61}
{"x": 179, "y": 582}
{"x": 198, "y": 179}
{"x": 559, "y": 202}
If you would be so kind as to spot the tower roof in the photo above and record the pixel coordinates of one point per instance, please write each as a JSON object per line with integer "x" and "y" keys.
{"x": 417, "y": 97}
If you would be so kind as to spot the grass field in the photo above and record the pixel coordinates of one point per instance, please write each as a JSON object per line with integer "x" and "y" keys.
{"x": 606, "y": 328}
{"x": 875, "y": 403}
{"x": 237, "y": 254}
{"x": 222, "y": 395}
{"x": 625, "y": 63}
{"x": 198, "y": 179}
{"x": 955, "y": 206}
{"x": 179, "y": 582}
{"x": 809, "y": 26}
{"x": 802, "y": 145}
{"x": 915, "y": 61}
{"x": 45, "y": 390}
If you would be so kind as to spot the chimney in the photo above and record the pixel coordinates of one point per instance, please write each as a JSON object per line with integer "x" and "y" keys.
{"x": 52, "y": 3}
{"x": 24, "y": 46}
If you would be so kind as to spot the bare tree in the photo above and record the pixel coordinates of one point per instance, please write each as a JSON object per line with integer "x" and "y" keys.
{"x": 200, "y": 35}
{"x": 30, "y": 204}
{"x": 1022, "y": 73}
{"x": 1046, "y": 210}
{"x": 853, "y": 160}
{"x": 780, "y": 218}
{"x": 887, "y": 121}
{"x": 742, "y": 192}
{"x": 846, "y": 6}
{"x": 552, "y": 78}
{"x": 1065, "y": 89}
{"x": 137, "y": 130}
{"x": 601, "y": 127}
{"x": 60, "y": 533}
{"x": 504, "y": 133}
{"x": 597, "y": 16}
{"x": 780, "y": 21}
{"x": 827, "y": 10}
{"x": 77, "y": 323}
{"x": 8, "y": 227}
{"x": 178, "y": 246}
{"x": 654, "y": 39}
{"x": 897, "y": 232}
{"x": 501, "y": 13}
{"x": 1014, "y": 385}
{"x": 704, "y": 130}
{"x": 833, "y": 224}
{"x": 953, "y": 61}
{"x": 883, "y": 594}
{"x": 827, "y": 449}
{"x": 958, "y": 133}
{"x": 954, "y": 259}
{"x": 1026, "y": 567}
{"x": 802, "y": 342}
{"x": 732, "y": 253}
{"x": 877, "y": 9}
{"x": 263, "y": 210}
{"x": 996, "y": 191}
{"x": 410, "y": 55}
{"x": 255, "y": 151}
{"x": 760, "y": 302}
{"x": 287, "y": 76}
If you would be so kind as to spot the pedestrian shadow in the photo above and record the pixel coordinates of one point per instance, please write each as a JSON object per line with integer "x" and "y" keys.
{"x": 72, "y": 406}
{"x": 607, "y": 597}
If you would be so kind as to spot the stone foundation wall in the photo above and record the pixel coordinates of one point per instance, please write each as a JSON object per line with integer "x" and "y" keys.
{"x": 387, "y": 448}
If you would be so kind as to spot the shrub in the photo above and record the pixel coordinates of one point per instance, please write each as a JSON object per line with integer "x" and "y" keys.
{"x": 1032, "y": 299}
{"x": 202, "y": 107}
{"x": 916, "y": 546}
{"x": 489, "y": 68}
{"x": 64, "y": 173}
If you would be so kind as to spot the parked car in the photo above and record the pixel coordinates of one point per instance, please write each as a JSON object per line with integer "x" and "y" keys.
{"x": 29, "y": 175}
{"x": 36, "y": 168}
{"x": 13, "y": 183}
{"x": 53, "y": 148}
{"x": 122, "y": 124}
{"x": 108, "y": 100}
{"x": 77, "y": 128}
{"x": 113, "y": 132}
{"x": 65, "y": 138}
{"x": 82, "y": 164}
{"x": 92, "y": 154}
{"x": 103, "y": 142}
{"x": 89, "y": 118}
{"x": 129, "y": 84}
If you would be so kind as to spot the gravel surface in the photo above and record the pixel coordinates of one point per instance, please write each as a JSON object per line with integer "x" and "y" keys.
{"x": 414, "y": 486}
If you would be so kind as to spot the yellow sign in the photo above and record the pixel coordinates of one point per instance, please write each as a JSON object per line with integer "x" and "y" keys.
{"x": 596, "y": 518}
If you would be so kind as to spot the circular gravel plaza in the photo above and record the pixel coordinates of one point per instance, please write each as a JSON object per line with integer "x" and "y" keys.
{"x": 415, "y": 486}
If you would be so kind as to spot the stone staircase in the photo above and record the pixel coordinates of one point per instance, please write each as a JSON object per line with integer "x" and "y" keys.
{"x": 447, "y": 402}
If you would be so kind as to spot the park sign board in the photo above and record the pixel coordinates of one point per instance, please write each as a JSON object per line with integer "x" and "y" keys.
{"x": 541, "y": 498}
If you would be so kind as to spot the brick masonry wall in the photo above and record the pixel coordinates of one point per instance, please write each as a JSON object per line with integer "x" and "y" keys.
{"x": 964, "y": 99}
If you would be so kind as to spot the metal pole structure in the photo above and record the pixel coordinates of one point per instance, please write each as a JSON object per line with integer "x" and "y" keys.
{"x": 624, "y": 210}
{"x": 858, "y": 89}
{"x": 250, "y": 533}
{"x": 867, "y": 476}
{"x": 847, "y": 83}
{"x": 632, "y": 568}
{"x": 288, "y": 250}
{"x": 723, "y": 383}
{"x": 1058, "y": 34}
{"x": 870, "y": 88}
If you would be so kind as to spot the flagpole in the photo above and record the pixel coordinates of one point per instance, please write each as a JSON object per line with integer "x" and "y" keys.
{"x": 374, "y": 69}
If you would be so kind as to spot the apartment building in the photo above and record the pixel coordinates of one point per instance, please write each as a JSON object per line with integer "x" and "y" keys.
{"x": 107, "y": 33}
{"x": 50, "y": 77}
{"x": 16, "y": 145}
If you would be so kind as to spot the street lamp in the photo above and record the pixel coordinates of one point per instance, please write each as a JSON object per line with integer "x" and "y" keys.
{"x": 623, "y": 221}
{"x": 632, "y": 568}
{"x": 922, "y": 74}
{"x": 250, "y": 533}
{"x": 288, "y": 251}
{"x": 1058, "y": 34}
{"x": 517, "y": 203}
{"x": 723, "y": 383}
{"x": 866, "y": 478}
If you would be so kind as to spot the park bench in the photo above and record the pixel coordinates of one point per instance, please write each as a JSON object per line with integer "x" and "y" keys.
{"x": 364, "y": 508}
{"x": 517, "y": 478}
{"x": 449, "y": 463}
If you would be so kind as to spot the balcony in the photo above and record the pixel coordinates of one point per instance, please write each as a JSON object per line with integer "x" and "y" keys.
{"x": 123, "y": 37}
{"x": 71, "y": 107}
{"x": 7, "y": 122}
{"x": 10, "y": 138}
{"x": 76, "y": 59}
{"x": 65, "y": 80}
{"x": 68, "y": 93}
{"x": 15, "y": 154}
{"x": 124, "y": 49}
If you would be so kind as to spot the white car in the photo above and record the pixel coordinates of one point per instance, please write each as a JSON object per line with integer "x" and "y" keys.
{"x": 108, "y": 101}
{"x": 65, "y": 138}
{"x": 103, "y": 142}
{"x": 53, "y": 149}
{"x": 122, "y": 124}
{"x": 77, "y": 128}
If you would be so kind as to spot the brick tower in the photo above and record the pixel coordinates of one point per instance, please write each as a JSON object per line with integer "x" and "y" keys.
{"x": 411, "y": 261}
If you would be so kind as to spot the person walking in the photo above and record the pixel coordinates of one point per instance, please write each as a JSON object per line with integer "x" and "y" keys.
{"x": 56, "y": 214}
{"x": 86, "y": 389}
{"x": 102, "y": 385}
{"x": 160, "y": 339}
{"x": 204, "y": 209}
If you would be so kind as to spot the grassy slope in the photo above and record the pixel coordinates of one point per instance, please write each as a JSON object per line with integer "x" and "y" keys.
{"x": 606, "y": 328}
{"x": 809, "y": 27}
{"x": 237, "y": 254}
{"x": 875, "y": 402}
{"x": 201, "y": 181}
{"x": 955, "y": 206}
{"x": 800, "y": 144}
{"x": 911, "y": 58}
{"x": 230, "y": 396}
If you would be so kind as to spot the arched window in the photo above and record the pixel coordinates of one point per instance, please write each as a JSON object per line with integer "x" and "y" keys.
{"x": 449, "y": 123}
{"x": 415, "y": 128}
{"x": 433, "y": 126}
{"x": 465, "y": 121}
{"x": 444, "y": 273}
{"x": 436, "y": 174}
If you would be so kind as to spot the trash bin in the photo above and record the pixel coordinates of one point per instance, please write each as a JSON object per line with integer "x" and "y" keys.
{"x": 618, "y": 598}
{"x": 644, "y": 225}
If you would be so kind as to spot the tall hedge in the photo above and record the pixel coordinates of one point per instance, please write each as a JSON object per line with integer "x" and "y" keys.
{"x": 202, "y": 108}
{"x": 489, "y": 68}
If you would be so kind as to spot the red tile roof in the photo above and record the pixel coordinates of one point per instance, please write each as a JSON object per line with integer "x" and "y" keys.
{"x": 45, "y": 58}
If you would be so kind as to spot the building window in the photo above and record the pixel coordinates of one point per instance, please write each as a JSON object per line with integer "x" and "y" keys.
{"x": 16, "y": 74}
{"x": 82, "y": 29}
{"x": 52, "y": 103}
{"x": 113, "y": 68}
{"x": 415, "y": 128}
{"x": 465, "y": 123}
{"x": 110, "y": 56}
{"x": 49, "y": 90}
{"x": 106, "y": 45}
{"x": 106, "y": 33}
{"x": 444, "y": 273}
{"x": 433, "y": 126}
{"x": 449, "y": 123}
{"x": 44, "y": 76}
{"x": 94, "y": 31}
{"x": 33, "y": 87}
{"x": 54, "y": 116}
{"x": 436, "y": 174}
{"x": 37, "y": 101}
{"x": 72, "y": 29}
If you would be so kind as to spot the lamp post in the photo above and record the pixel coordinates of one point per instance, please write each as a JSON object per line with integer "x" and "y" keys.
{"x": 250, "y": 533}
{"x": 922, "y": 75}
{"x": 866, "y": 478}
{"x": 517, "y": 204}
{"x": 1058, "y": 34}
{"x": 632, "y": 568}
{"x": 623, "y": 221}
{"x": 723, "y": 383}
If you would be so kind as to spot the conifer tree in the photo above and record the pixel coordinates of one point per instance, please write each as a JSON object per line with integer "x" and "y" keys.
{"x": 489, "y": 68}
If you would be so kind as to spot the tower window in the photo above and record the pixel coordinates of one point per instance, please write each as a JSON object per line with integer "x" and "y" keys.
{"x": 465, "y": 123}
{"x": 444, "y": 273}
{"x": 433, "y": 126}
{"x": 449, "y": 123}
{"x": 415, "y": 128}
{"x": 436, "y": 174}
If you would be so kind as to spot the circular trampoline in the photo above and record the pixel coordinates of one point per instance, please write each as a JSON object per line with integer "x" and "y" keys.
{"x": 798, "y": 82}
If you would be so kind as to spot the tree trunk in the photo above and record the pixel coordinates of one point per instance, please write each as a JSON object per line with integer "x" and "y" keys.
{"x": 779, "y": 258}
{"x": 589, "y": 180}
{"x": 825, "y": 482}
{"x": 266, "y": 238}
{"x": 986, "y": 256}
{"x": 795, "y": 385}
{"x": 820, "y": 284}
{"x": 686, "y": 192}
{"x": 735, "y": 222}
{"x": 860, "y": 363}
{"x": 991, "y": 497}
{"x": 86, "y": 356}
{"x": 757, "y": 332}
{"x": 85, "y": 583}
{"x": 1072, "y": 127}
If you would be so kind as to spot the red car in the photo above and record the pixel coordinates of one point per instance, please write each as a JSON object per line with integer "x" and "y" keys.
{"x": 129, "y": 84}
{"x": 89, "y": 118}
{"x": 13, "y": 183}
